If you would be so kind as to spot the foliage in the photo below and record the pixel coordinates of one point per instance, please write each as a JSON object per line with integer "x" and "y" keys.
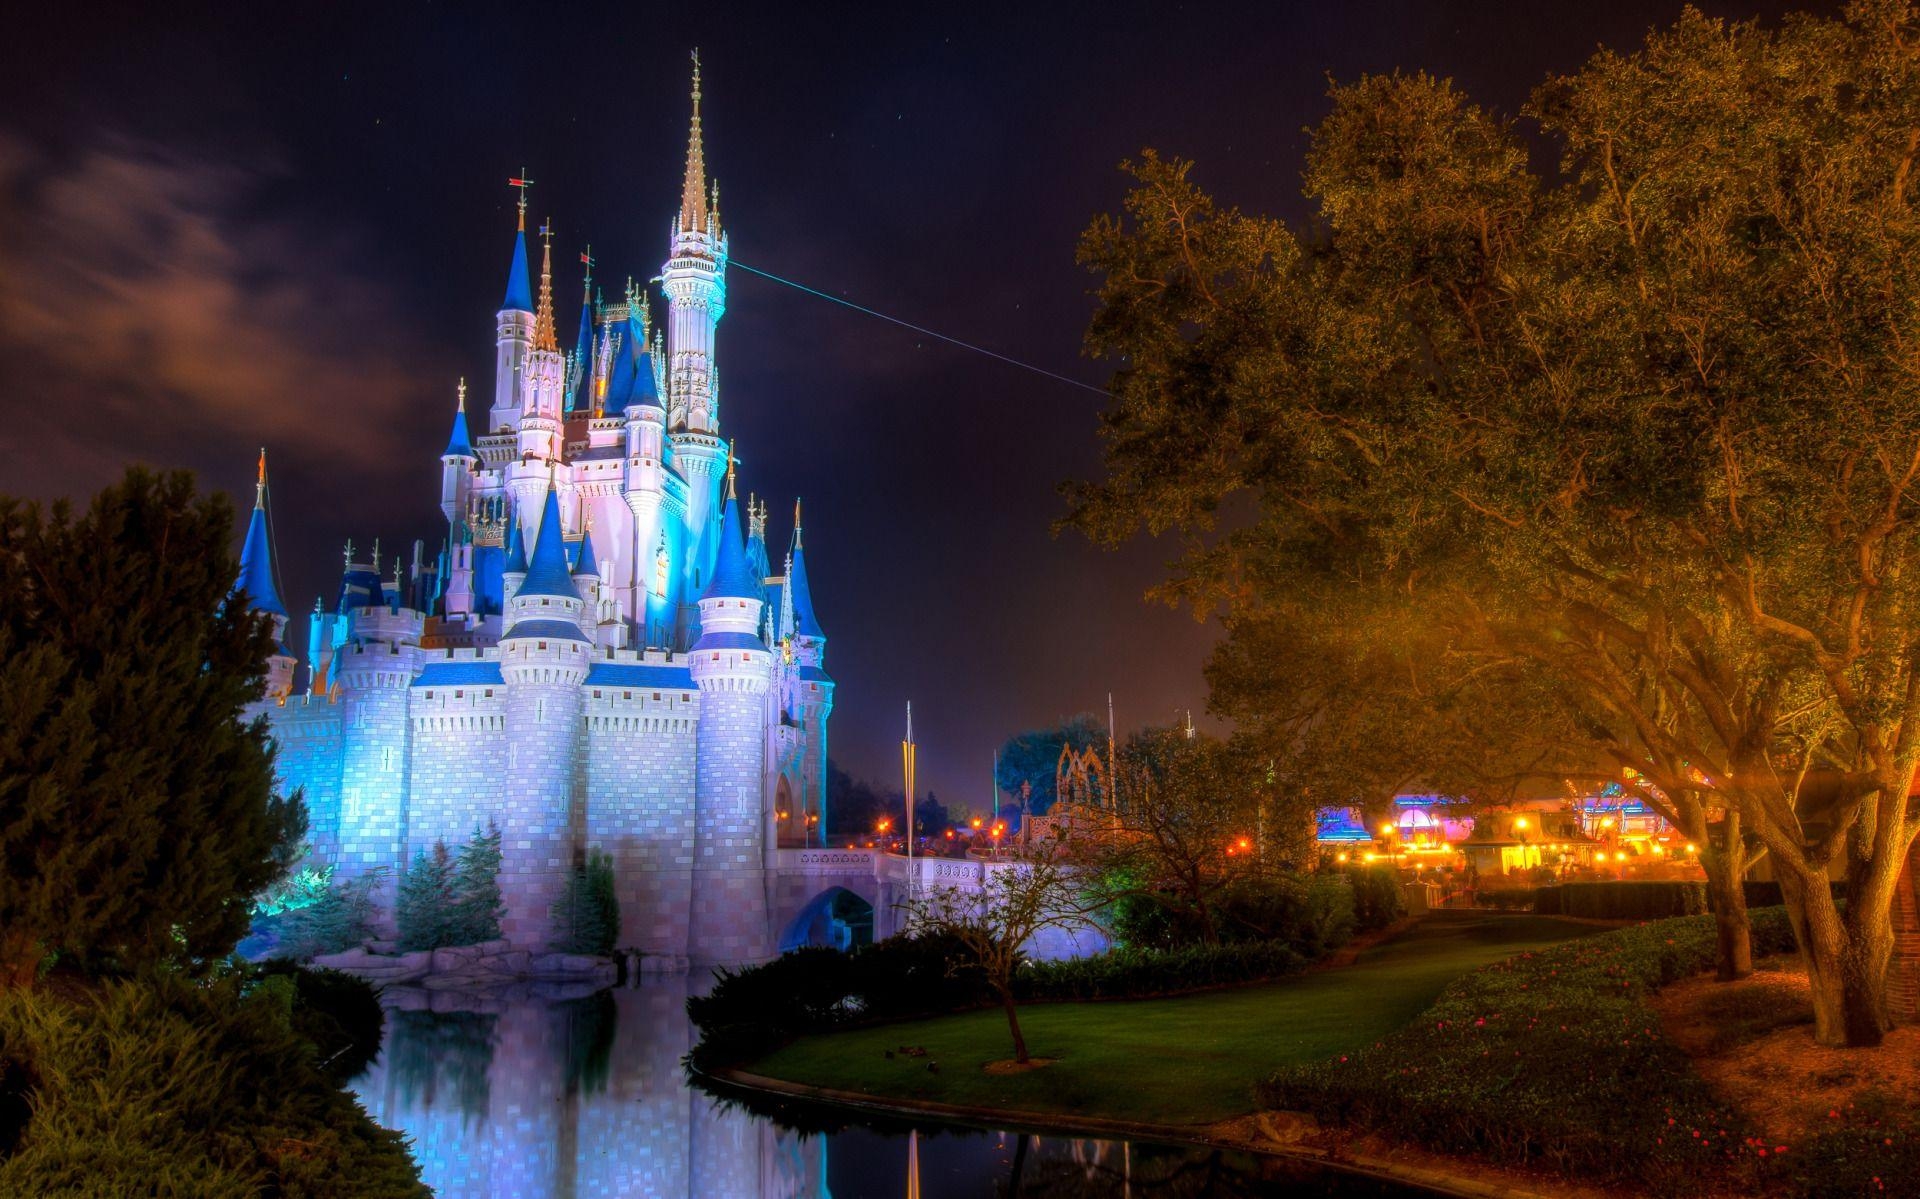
{"x": 300, "y": 888}
{"x": 1377, "y": 898}
{"x": 588, "y": 910}
{"x": 442, "y": 1057}
{"x": 423, "y": 906}
{"x": 476, "y": 903}
{"x": 1549, "y": 1058}
{"x": 1031, "y": 759}
{"x": 137, "y": 811}
{"x": 750, "y": 1010}
{"x": 1612, "y": 469}
{"x": 162, "y": 1086}
{"x": 1310, "y": 913}
{"x": 341, "y": 918}
{"x": 338, "y": 1013}
{"x": 1017, "y": 900}
{"x": 1138, "y": 973}
{"x": 1622, "y": 900}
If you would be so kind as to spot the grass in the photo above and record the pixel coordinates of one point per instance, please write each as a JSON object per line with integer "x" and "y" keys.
{"x": 1191, "y": 1060}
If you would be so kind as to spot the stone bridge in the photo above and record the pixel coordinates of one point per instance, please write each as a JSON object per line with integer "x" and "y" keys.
{"x": 847, "y": 897}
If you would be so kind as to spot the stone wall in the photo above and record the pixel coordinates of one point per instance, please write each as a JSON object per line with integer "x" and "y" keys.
{"x": 640, "y": 785}
{"x": 458, "y": 767}
{"x": 728, "y": 913}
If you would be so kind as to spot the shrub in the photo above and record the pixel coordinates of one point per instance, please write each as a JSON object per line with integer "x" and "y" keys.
{"x": 1623, "y": 900}
{"x": 588, "y": 910}
{"x": 341, "y": 918}
{"x": 752, "y": 1011}
{"x": 338, "y": 1012}
{"x": 1511, "y": 899}
{"x": 1313, "y": 914}
{"x": 1549, "y": 1058}
{"x": 161, "y": 1086}
{"x": 1377, "y": 899}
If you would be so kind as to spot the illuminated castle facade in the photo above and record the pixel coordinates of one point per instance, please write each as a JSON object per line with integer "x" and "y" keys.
{"x": 604, "y": 655}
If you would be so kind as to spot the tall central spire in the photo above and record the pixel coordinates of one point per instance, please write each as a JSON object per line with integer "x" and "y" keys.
{"x": 543, "y": 335}
{"x": 693, "y": 192}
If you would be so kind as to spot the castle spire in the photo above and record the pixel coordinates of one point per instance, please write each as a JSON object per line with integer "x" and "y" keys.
{"x": 693, "y": 191}
{"x": 519, "y": 296}
{"x": 256, "y": 552}
{"x": 460, "y": 442}
{"x": 543, "y": 335}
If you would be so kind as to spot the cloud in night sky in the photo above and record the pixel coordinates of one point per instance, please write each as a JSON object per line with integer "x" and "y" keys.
{"x": 167, "y": 302}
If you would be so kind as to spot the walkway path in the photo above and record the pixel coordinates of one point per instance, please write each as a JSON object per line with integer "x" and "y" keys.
{"x": 1191, "y": 1060}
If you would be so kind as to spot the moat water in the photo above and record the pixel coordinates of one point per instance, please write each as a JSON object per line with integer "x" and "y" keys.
{"x": 522, "y": 1095}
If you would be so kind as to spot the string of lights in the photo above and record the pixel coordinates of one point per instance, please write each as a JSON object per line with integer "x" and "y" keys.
{"x": 965, "y": 345}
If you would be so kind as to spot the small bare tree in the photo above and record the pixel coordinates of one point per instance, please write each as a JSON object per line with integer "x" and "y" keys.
{"x": 1018, "y": 900}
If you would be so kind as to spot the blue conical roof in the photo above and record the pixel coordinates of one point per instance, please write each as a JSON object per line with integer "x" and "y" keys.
{"x": 256, "y": 566}
{"x": 732, "y": 577}
{"x": 460, "y": 443}
{"x": 583, "y": 359}
{"x": 586, "y": 565}
{"x": 516, "y": 549}
{"x": 519, "y": 283}
{"x": 803, "y": 621}
{"x": 547, "y": 572}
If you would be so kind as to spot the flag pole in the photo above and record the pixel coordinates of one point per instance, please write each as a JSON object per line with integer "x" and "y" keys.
{"x": 906, "y": 766}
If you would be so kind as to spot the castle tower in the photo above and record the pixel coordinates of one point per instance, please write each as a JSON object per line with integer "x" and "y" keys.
{"x": 514, "y": 572}
{"x": 374, "y": 667}
{"x": 256, "y": 582}
{"x": 732, "y": 668}
{"x": 514, "y": 334}
{"x": 645, "y": 483}
{"x": 543, "y": 661}
{"x": 457, "y": 464}
{"x": 586, "y": 584}
{"x": 695, "y": 280}
{"x": 811, "y": 688}
{"x": 540, "y": 430}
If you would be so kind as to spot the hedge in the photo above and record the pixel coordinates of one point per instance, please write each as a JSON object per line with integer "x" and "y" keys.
{"x": 1552, "y": 1058}
{"x": 753, "y": 1011}
{"x": 163, "y": 1086}
{"x": 1622, "y": 900}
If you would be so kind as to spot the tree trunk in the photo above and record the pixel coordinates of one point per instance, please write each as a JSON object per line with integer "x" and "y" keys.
{"x": 1849, "y": 994}
{"x": 1013, "y": 1025}
{"x": 20, "y": 956}
{"x": 1727, "y": 899}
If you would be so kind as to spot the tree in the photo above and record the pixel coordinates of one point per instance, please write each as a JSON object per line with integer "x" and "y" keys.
{"x": 588, "y": 913}
{"x": 477, "y": 906}
{"x": 1645, "y": 436}
{"x": 425, "y": 906}
{"x": 137, "y": 811}
{"x": 1187, "y": 829}
{"x": 1019, "y": 899}
{"x": 338, "y": 919}
{"x": 853, "y": 806}
{"x": 1032, "y": 757}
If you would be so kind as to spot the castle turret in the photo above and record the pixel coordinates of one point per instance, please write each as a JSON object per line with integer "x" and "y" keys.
{"x": 514, "y": 333}
{"x": 514, "y": 573}
{"x": 457, "y": 464}
{"x": 586, "y": 584}
{"x": 543, "y": 661}
{"x": 695, "y": 280}
{"x": 580, "y": 358}
{"x": 256, "y": 583}
{"x": 732, "y": 668}
{"x": 373, "y": 667}
{"x": 645, "y": 484}
{"x": 809, "y": 690}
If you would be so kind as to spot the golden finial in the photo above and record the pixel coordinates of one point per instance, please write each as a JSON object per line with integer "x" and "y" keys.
{"x": 693, "y": 192}
{"x": 260, "y": 482}
{"x": 463, "y": 393}
{"x": 796, "y": 522}
{"x": 730, "y": 471}
{"x": 543, "y": 335}
{"x": 523, "y": 183}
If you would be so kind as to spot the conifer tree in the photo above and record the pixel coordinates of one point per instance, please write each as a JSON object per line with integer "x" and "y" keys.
{"x": 137, "y": 811}
{"x": 424, "y": 909}
{"x": 477, "y": 907}
{"x": 588, "y": 914}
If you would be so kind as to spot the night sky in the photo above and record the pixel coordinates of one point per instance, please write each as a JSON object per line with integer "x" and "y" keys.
{"x": 289, "y": 225}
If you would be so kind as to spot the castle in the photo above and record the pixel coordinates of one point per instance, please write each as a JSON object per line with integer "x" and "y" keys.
{"x": 601, "y": 657}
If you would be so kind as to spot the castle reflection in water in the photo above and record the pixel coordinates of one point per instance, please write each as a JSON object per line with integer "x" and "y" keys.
{"x": 518, "y": 1093}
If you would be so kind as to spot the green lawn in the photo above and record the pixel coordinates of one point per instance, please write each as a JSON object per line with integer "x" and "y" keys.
{"x": 1171, "y": 1061}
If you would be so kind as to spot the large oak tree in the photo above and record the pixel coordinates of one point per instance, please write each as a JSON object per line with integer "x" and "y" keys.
{"x": 1643, "y": 428}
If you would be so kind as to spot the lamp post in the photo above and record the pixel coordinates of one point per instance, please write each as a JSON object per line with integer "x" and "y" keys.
{"x": 1520, "y": 831}
{"x": 1390, "y": 832}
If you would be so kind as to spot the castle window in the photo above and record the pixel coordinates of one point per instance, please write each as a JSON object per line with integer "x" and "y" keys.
{"x": 543, "y": 645}
{"x": 489, "y": 693}
{"x": 596, "y": 693}
{"x": 540, "y": 711}
{"x": 459, "y": 695}
{"x": 656, "y": 697}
